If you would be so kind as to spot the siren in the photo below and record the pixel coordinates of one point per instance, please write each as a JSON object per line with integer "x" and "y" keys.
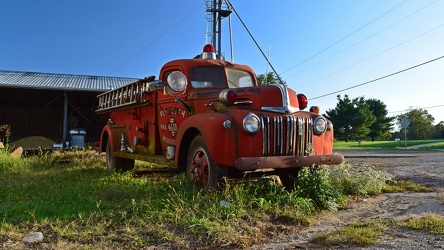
{"x": 208, "y": 52}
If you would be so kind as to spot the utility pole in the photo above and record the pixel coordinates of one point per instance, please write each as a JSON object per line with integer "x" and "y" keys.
{"x": 216, "y": 10}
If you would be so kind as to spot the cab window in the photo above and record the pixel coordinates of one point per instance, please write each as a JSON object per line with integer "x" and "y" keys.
{"x": 217, "y": 77}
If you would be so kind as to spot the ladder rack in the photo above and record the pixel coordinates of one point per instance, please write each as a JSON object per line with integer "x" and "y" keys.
{"x": 129, "y": 94}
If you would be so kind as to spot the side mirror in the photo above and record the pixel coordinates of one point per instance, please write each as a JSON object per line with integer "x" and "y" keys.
{"x": 155, "y": 86}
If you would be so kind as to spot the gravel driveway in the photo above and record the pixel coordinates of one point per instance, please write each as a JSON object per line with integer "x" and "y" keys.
{"x": 421, "y": 167}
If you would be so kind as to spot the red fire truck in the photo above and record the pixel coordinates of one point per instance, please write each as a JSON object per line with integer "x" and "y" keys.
{"x": 210, "y": 118}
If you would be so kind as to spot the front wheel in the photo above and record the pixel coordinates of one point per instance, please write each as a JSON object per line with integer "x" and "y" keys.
{"x": 288, "y": 178}
{"x": 201, "y": 168}
{"x": 117, "y": 163}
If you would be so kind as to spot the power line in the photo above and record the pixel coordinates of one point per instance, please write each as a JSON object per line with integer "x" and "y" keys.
{"x": 156, "y": 39}
{"x": 430, "y": 107}
{"x": 373, "y": 56}
{"x": 254, "y": 40}
{"x": 365, "y": 39}
{"x": 380, "y": 78}
{"x": 350, "y": 34}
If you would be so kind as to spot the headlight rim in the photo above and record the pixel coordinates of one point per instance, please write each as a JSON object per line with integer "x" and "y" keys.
{"x": 247, "y": 127}
{"x": 173, "y": 86}
{"x": 315, "y": 125}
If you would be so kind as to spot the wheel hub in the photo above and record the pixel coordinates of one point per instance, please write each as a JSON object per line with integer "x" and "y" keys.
{"x": 199, "y": 169}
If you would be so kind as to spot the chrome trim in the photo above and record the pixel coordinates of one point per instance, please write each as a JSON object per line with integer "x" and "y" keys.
{"x": 265, "y": 135}
{"x": 286, "y": 135}
{"x": 285, "y": 109}
{"x": 291, "y": 124}
{"x": 329, "y": 126}
{"x": 248, "y": 117}
{"x": 309, "y": 148}
{"x": 243, "y": 102}
{"x": 314, "y": 125}
{"x": 280, "y": 110}
{"x": 227, "y": 124}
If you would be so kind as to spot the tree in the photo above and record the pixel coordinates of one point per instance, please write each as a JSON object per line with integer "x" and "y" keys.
{"x": 351, "y": 118}
{"x": 421, "y": 124}
{"x": 267, "y": 79}
{"x": 380, "y": 129}
{"x": 439, "y": 130}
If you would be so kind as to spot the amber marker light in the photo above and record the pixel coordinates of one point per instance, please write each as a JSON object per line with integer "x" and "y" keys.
{"x": 315, "y": 109}
{"x": 216, "y": 106}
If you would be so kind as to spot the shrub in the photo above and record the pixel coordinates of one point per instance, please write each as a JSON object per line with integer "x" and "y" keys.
{"x": 313, "y": 183}
{"x": 357, "y": 180}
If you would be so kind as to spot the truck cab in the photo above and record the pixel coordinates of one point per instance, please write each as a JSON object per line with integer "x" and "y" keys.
{"x": 210, "y": 118}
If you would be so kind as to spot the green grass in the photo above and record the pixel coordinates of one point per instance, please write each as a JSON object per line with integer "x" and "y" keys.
{"x": 431, "y": 222}
{"x": 366, "y": 145}
{"x": 77, "y": 203}
{"x": 399, "y": 186}
{"x": 366, "y": 233}
{"x": 358, "y": 234}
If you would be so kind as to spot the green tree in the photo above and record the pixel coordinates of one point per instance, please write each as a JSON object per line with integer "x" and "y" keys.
{"x": 439, "y": 130}
{"x": 421, "y": 124}
{"x": 267, "y": 79}
{"x": 351, "y": 118}
{"x": 380, "y": 129}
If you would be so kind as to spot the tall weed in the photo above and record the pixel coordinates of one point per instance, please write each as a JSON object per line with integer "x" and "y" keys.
{"x": 313, "y": 183}
{"x": 363, "y": 180}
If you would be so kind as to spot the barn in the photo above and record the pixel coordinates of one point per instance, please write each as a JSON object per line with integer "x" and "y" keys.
{"x": 56, "y": 108}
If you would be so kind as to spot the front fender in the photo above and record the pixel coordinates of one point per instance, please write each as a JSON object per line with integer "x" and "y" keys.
{"x": 114, "y": 133}
{"x": 221, "y": 142}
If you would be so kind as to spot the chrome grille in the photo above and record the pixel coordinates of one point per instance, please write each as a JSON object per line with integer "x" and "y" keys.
{"x": 286, "y": 135}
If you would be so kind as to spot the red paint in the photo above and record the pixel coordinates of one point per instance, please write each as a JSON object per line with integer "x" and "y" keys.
{"x": 151, "y": 121}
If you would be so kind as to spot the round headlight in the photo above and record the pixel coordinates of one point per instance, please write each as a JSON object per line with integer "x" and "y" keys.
{"x": 251, "y": 123}
{"x": 177, "y": 81}
{"x": 320, "y": 125}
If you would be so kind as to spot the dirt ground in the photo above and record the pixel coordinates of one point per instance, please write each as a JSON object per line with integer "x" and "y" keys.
{"x": 419, "y": 167}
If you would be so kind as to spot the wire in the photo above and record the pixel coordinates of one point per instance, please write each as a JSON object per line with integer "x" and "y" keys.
{"x": 350, "y": 34}
{"x": 255, "y": 42}
{"x": 368, "y": 58}
{"x": 430, "y": 107}
{"x": 380, "y": 78}
{"x": 155, "y": 40}
{"x": 374, "y": 34}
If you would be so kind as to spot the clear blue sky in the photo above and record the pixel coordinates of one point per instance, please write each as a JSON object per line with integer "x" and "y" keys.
{"x": 318, "y": 47}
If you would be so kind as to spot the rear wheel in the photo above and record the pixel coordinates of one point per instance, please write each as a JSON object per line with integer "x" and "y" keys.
{"x": 200, "y": 166}
{"x": 117, "y": 163}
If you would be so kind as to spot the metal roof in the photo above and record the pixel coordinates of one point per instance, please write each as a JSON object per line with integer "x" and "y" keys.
{"x": 21, "y": 79}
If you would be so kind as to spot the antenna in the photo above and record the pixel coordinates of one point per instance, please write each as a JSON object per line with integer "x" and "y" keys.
{"x": 266, "y": 70}
{"x": 216, "y": 11}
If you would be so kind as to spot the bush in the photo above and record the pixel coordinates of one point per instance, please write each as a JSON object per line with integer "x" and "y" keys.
{"x": 313, "y": 183}
{"x": 357, "y": 180}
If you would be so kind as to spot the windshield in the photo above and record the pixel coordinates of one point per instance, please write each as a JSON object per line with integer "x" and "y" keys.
{"x": 214, "y": 77}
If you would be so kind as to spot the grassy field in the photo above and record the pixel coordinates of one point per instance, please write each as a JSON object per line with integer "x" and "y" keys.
{"x": 389, "y": 145}
{"x": 76, "y": 203}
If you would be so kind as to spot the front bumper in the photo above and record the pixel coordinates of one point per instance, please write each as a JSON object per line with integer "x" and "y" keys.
{"x": 277, "y": 162}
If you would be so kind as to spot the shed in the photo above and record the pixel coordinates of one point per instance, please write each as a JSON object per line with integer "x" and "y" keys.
{"x": 50, "y": 105}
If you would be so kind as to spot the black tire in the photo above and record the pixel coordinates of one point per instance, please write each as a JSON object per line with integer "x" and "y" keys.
{"x": 117, "y": 163}
{"x": 201, "y": 168}
{"x": 288, "y": 178}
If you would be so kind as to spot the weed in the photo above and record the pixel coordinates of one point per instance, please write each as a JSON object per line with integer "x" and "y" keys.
{"x": 398, "y": 186}
{"x": 359, "y": 234}
{"x": 363, "y": 180}
{"x": 430, "y": 221}
{"x": 312, "y": 183}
